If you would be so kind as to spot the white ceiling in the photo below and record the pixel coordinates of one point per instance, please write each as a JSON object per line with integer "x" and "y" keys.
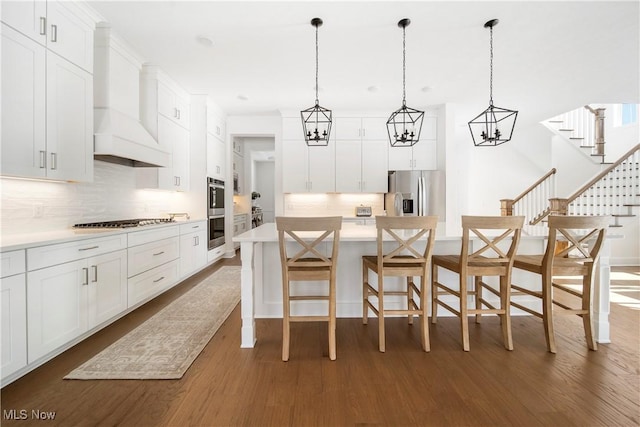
{"x": 550, "y": 57}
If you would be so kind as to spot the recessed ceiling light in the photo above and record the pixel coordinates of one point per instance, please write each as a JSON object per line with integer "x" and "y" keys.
{"x": 426, "y": 88}
{"x": 243, "y": 97}
{"x": 373, "y": 89}
{"x": 205, "y": 40}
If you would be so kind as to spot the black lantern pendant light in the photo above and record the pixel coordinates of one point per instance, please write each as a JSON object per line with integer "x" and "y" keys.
{"x": 495, "y": 125}
{"x": 316, "y": 121}
{"x": 405, "y": 124}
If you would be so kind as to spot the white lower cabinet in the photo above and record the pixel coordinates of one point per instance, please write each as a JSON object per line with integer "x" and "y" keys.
{"x": 240, "y": 225}
{"x": 193, "y": 247}
{"x": 66, "y": 300}
{"x": 152, "y": 282}
{"x": 53, "y": 294}
{"x": 13, "y": 309}
{"x": 153, "y": 262}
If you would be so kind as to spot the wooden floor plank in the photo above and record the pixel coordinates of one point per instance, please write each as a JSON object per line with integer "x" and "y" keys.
{"x": 230, "y": 386}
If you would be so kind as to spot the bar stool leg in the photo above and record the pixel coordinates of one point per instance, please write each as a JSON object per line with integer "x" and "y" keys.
{"x": 505, "y": 304}
{"x": 547, "y": 312}
{"x": 464, "y": 322}
{"x": 381, "y": 338}
{"x": 409, "y": 298}
{"x": 587, "y": 318}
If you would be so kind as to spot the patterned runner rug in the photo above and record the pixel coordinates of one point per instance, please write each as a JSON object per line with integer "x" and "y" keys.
{"x": 166, "y": 344}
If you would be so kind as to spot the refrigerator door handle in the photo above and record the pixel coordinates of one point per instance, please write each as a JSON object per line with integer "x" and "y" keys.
{"x": 421, "y": 197}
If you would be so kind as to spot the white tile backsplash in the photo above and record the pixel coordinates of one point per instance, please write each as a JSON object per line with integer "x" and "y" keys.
{"x": 112, "y": 195}
{"x": 343, "y": 204}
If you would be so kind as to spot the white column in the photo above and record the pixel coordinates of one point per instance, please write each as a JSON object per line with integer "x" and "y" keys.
{"x": 601, "y": 294}
{"x": 251, "y": 273}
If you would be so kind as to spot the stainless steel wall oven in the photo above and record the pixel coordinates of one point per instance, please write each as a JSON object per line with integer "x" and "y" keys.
{"x": 215, "y": 207}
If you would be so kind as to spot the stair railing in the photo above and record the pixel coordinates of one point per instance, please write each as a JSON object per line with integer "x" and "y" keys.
{"x": 615, "y": 187}
{"x": 532, "y": 203}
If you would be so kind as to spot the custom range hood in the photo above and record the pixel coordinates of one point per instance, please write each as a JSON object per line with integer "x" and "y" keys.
{"x": 119, "y": 137}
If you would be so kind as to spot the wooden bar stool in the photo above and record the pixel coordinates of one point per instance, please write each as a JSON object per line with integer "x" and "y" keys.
{"x": 402, "y": 260}
{"x": 492, "y": 258}
{"x": 303, "y": 259}
{"x": 572, "y": 249}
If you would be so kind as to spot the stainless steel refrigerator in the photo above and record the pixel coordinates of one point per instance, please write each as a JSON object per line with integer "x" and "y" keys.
{"x": 422, "y": 193}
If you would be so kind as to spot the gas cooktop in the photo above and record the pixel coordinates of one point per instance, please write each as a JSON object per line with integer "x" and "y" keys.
{"x": 125, "y": 223}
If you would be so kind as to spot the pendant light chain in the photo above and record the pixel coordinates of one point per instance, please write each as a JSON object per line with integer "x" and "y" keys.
{"x": 404, "y": 65}
{"x": 491, "y": 66}
{"x": 317, "y": 99}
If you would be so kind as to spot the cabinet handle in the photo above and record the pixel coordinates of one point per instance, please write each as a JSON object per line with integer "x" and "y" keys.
{"x": 43, "y": 26}
{"x": 178, "y": 114}
{"x": 43, "y": 159}
{"x": 159, "y": 253}
{"x": 89, "y": 248}
{"x": 95, "y": 273}
{"x": 175, "y": 113}
{"x": 54, "y": 161}
{"x": 85, "y": 272}
{"x": 195, "y": 241}
{"x": 195, "y": 226}
{"x": 157, "y": 280}
{"x": 54, "y": 33}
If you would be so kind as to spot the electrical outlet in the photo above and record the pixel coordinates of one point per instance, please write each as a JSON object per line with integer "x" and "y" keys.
{"x": 38, "y": 210}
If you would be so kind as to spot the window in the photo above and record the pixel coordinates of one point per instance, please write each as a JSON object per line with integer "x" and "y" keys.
{"x": 628, "y": 114}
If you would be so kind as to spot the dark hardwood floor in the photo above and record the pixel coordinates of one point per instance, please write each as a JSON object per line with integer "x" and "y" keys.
{"x": 229, "y": 386}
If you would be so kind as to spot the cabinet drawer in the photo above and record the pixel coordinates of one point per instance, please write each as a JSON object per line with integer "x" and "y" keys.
{"x": 142, "y": 237}
{"x": 13, "y": 262}
{"x": 152, "y": 282}
{"x": 145, "y": 257}
{"x": 46, "y": 256}
{"x": 193, "y": 227}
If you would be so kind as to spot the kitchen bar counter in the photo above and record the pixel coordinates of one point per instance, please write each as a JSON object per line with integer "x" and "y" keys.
{"x": 261, "y": 280}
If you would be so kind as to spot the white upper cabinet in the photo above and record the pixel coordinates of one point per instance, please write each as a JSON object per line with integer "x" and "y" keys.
{"x": 356, "y": 128}
{"x": 216, "y": 146}
{"x": 306, "y": 169}
{"x": 27, "y": 16}
{"x": 47, "y": 112}
{"x": 69, "y": 121}
{"x": 215, "y": 123}
{"x": 422, "y": 155}
{"x": 173, "y": 104}
{"x": 60, "y": 26}
{"x": 23, "y": 100}
{"x": 164, "y": 112}
{"x": 175, "y": 139}
{"x": 361, "y": 155}
{"x": 216, "y": 157}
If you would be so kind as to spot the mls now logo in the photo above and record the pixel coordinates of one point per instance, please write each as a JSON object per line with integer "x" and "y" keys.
{"x": 23, "y": 414}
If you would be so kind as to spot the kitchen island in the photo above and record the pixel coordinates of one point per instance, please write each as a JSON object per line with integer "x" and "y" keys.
{"x": 261, "y": 280}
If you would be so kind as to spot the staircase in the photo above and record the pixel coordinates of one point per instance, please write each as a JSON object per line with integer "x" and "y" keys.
{"x": 584, "y": 129}
{"x": 615, "y": 191}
